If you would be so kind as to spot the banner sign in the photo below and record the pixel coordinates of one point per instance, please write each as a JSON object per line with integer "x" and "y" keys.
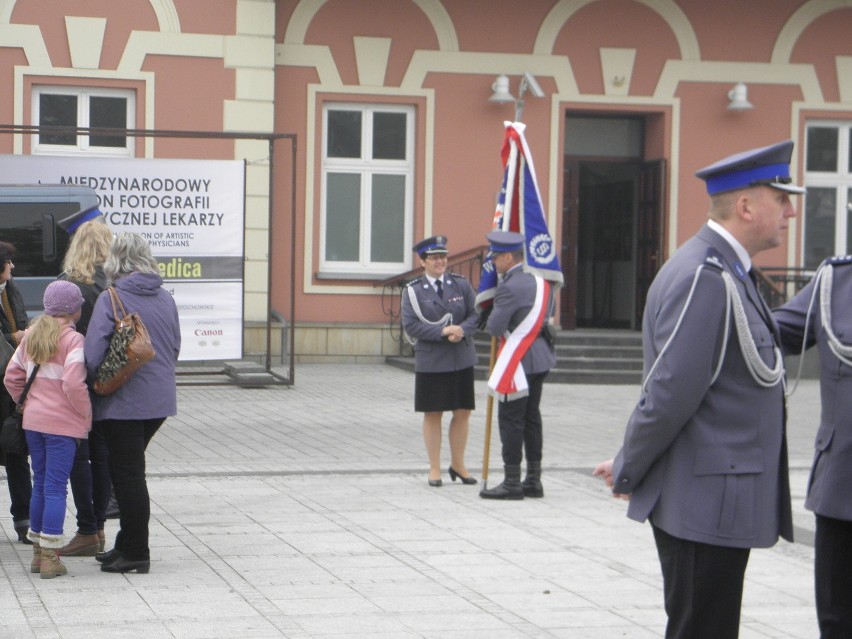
{"x": 192, "y": 214}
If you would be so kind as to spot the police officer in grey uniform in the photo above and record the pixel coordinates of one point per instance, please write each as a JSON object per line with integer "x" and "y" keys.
{"x": 704, "y": 456}
{"x": 820, "y": 314}
{"x": 439, "y": 319}
{"x": 519, "y": 419}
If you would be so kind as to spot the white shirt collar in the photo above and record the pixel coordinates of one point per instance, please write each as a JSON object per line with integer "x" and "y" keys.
{"x": 745, "y": 260}
{"x": 433, "y": 279}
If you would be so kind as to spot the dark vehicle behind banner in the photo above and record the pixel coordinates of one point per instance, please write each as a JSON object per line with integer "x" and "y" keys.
{"x": 29, "y": 216}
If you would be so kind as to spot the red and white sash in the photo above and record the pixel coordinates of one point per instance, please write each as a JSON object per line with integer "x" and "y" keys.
{"x": 508, "y": 380}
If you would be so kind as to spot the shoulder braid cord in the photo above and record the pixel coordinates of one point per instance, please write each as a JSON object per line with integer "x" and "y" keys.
{"x": 824, "y": 283}
{"x": 760, "y": 372}
{"x": 446, "y": 320}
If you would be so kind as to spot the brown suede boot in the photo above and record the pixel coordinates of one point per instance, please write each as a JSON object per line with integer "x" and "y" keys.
{"x": 101, "y": 541}
{"x": 35, "y": 564}
{"x": 51, "y": 566}
{"x": 80, "y": 546}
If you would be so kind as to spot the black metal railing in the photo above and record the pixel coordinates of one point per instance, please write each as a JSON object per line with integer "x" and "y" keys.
{"x": 778, "y": 284}
{"x": 467, "y": 263}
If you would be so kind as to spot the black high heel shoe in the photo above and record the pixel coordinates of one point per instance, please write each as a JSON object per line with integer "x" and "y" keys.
{"x": 436, "y": 483}
{"x": 470, "y": 481}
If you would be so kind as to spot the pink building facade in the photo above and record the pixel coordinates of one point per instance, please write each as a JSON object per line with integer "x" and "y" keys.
{"x": 397, "y": 138}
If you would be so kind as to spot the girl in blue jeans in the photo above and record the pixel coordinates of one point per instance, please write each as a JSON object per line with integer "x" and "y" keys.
{"x": 57, "y": 414}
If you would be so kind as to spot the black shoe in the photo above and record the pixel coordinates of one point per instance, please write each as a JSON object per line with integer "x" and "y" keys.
{"x": 436, "y": 483}
{"x": 120, "y": 564}
{"x": 503, "y": 492}
{"x": 22, "y": 535}
{"x": 465, "y": 480}
{"x": 533, "y": 489}
{"x": 107, "y": 557}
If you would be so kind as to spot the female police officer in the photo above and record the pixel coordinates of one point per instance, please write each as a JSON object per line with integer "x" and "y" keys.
{"x": 439, "y": 319}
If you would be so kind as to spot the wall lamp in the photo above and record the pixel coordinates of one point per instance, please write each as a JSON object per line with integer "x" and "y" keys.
{"x": 739, "y": 98}
{"x": 502, "y": 94}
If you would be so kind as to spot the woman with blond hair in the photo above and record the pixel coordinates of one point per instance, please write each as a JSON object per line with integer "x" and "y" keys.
{"x": 90, "y": 483}
{"x": 58, "y": 414}
{"x": 83, "y": 265}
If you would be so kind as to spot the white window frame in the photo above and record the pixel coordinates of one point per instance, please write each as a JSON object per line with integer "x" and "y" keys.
{"x": 83, "y": 147}
{"x": 841, "y": 180}
{"x": 367, "y": 167}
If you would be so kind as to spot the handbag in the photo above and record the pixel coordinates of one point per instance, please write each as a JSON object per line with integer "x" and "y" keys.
{"x": 129, "y": 349}
{"x": 12, "y": 438}
{"x": 6, "y": 352}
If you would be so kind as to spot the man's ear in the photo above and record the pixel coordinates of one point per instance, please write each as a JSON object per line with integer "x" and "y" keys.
{"x": 743, "y": 206}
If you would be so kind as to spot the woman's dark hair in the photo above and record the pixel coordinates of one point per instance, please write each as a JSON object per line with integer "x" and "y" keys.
{"x": 7, "y": 252}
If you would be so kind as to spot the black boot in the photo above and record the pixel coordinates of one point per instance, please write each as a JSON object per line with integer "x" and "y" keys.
{"x": 532, "y": 482}
{"x": 511, "y": 487}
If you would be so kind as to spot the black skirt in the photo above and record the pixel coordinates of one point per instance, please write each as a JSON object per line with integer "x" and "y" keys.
{"x": 439, "y": 392}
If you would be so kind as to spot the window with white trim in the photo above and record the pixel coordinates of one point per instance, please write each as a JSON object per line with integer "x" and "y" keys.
{"x": 86, "y": 108}
{"x": 828, "y": 202}
{"x": 367, "y": 188}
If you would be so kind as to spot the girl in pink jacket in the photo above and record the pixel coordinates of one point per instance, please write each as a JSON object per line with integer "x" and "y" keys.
{"x": 57, "y": 413}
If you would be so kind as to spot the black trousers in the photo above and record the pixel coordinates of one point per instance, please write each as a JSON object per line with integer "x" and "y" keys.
{"x": 20, "y": 482}
{"x": 703, "y": 586}
{"x": 520, "y": 424}
{"x": 90, "y": 483}
{"x": 833, "y": 577}
{"x": 126, "y": 441}
{"x": 18, "y": 476}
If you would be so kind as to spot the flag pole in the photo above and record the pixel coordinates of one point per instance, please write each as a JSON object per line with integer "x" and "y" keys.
{"x": 489, "y": 411}
{"x": 511, "y": 171}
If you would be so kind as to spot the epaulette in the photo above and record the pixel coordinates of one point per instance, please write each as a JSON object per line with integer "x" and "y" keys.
{"x": 838, "y": 260}
{"x": 714, "y": 258}
{"x": 414, "y": 281}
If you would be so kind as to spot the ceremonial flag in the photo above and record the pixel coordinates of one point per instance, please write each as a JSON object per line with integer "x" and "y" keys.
{"x": 519, "y": 209}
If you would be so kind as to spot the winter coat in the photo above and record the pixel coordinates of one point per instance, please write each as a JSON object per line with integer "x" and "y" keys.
{"x": 58, "y": 400}
{"x": 152, "y": 392}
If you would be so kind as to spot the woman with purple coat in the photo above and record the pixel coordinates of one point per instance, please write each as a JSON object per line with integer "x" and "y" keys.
{"x": 130, "y": 417}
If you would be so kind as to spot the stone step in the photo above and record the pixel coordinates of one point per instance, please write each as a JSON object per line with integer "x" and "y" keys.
{"x": 558, "y": 375}
{"x": 583, "y": 357}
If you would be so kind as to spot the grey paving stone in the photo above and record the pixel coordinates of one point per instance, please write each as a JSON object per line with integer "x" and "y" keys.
{"x": 304, "y": 513}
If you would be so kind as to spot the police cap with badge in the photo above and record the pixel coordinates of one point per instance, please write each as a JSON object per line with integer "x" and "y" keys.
{"x": 764, "y": 166}
{"x": 435, "y": 245}
{"x": 76, "y": 220}
{"x": 504, "y": 242}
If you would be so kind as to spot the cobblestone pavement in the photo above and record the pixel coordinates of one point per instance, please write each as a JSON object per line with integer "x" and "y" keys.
{"x": 305, "y": 512}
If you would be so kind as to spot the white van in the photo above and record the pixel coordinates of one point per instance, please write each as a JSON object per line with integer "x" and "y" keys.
{"x": 29, "y": 220}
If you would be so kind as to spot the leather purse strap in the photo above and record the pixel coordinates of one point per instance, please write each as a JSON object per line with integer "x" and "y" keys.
{"x": 27, "y": 386}
{"x": 116, "y": 304}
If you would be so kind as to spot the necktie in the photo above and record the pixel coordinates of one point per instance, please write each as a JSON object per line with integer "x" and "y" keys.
{"x": 440, "y": 288}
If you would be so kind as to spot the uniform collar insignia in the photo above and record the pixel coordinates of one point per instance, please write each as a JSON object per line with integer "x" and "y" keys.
{"x": 713, "y": 258}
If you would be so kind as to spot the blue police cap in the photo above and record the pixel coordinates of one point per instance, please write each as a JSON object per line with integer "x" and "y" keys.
{"x": 767, "y": 166}
{"x": 435, "y": 245}
{"x": 75, "y": 220}
{"x": 505, "y": 241}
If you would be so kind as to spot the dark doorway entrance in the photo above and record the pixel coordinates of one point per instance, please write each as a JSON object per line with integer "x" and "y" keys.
{"x": 612, "y": 223}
